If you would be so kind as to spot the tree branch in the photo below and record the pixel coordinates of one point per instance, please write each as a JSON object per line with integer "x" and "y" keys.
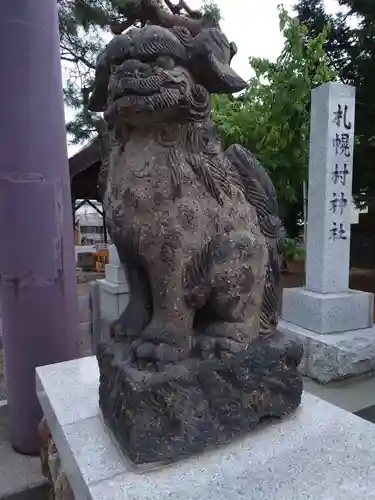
{"x": 182, "y": 5}
{"x": 76, "y": 57}
{"x": 67, "y": 59}
{"x": 119, "y": 27}
{"x": 151, "y": 11}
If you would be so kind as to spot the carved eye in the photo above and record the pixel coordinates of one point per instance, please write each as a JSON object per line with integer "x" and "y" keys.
{"x": 165, "y": 62}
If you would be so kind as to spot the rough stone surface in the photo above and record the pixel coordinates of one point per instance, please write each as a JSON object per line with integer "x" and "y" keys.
{"x": 197, "y": 232}
{"x": 330, "y": 312}
{"x": 333, "y": 357}
{"x": 160, "y": 417}
{"x": 196, "y": 228}
{"x": 59, "y": 487}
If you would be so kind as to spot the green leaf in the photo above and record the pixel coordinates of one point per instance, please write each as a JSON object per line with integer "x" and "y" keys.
{"x": 272, "y": 116}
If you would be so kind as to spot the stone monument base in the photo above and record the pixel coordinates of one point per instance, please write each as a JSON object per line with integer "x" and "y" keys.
{"x": 159, "y": 417}
{"x": 327, "y": 313}
{"x": 320, "y": 451}
{"x": 333, "y": 357}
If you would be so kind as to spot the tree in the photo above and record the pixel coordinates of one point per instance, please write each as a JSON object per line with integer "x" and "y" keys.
{"x": 272, "y": 117}
{"x": 363, "y": 62}
{"x": 364, "y": 8}
{"x": 351, "y": 52}
{"x": 85, "y": 26}
{"x": 337, "y": 49}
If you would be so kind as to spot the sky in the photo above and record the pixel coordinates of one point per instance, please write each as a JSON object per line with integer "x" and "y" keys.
{"x": 254, "y": 26}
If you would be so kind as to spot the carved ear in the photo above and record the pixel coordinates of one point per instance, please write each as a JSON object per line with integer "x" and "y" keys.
{"x": 210, "y": 63}
{"x": 233, "y": 50}
{"x": 98, "y": 99}
{"x": 118, "y": 49}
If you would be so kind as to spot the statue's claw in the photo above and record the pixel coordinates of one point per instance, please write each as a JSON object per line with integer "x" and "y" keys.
{"x": 216, "y": 347}
{"x": 162, "y": 342}
{"x": 159, "y": 352}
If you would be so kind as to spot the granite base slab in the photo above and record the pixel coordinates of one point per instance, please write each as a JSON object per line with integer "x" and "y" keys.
{"x": 320, "y": 452}
{"x": 333, "y": 357}
{"x": 329, "y": 312}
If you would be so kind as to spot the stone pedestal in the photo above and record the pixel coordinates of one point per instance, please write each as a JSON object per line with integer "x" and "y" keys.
{"x": 114, "y": 297}
{"x": 110, "y": 295}
{"x": 195, "y": 405}
{"x": 328, "y": 313}
{"x": 334, "y": 323}
{"x": 319, "y": 452}
{"x": 333, "y": 357}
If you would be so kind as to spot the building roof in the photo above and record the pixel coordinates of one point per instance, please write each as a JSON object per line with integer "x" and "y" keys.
{"x": 84, "y": 169}
{"x": 85, "y": 158}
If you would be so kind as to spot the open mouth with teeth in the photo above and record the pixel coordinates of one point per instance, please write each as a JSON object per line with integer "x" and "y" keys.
{"x": 140, "y": 94}
{"x": 137, "y": 102}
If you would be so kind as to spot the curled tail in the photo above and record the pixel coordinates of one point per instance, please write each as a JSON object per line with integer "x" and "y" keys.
{"x": 260, "y": 192}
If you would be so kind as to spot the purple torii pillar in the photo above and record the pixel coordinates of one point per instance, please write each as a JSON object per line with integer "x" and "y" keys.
{"x": 37, "y": 265}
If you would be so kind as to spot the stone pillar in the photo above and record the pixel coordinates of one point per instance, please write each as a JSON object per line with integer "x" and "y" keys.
{"x": 114, "y": 290}
{"x": 37, "y": 265}
{"x": 327, "y": 306}
{"x": 330, "y": 188}
{"x": 108, "y": 297}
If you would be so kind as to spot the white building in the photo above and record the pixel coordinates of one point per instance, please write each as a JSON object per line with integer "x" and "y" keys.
{"x": 89, "y": 224}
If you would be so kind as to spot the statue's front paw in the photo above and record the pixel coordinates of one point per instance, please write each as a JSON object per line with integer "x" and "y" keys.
{"x": 162, "y": 342}
{"x": 213, "y": 347}
{"x": 164, "y": 353}
{"x": 131, "y": 322}
{"x": 222, "y": 339}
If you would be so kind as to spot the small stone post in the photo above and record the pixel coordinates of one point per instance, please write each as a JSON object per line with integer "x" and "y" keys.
{"x": 114, "y": 290}
{"x": 37, "y": 266}
{"x": 109, "y": 298}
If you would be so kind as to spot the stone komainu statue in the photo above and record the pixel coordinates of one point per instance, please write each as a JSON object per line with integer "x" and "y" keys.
{"x": 194, "y": 359}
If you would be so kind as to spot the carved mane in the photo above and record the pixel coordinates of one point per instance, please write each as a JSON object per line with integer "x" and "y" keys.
{"x": 220, "y": 171}
{"x": 261, "y": 193}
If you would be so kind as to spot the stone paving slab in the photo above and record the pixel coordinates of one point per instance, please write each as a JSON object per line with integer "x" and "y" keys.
{"x": 20, "y": 476}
